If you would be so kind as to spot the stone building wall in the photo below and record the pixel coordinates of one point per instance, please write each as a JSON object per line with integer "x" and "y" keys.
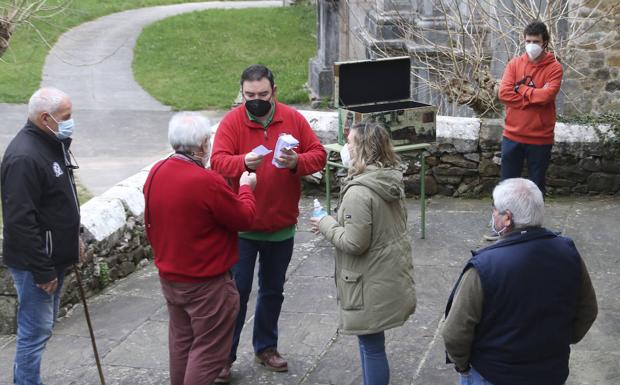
{"x": 594, "y": 84}
{"x": 370, "y": 28}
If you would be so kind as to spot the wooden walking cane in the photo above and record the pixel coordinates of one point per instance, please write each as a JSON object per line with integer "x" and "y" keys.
{"x": 90, "y": 326}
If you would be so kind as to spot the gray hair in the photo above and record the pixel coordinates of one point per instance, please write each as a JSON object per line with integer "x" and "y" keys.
{"x": 46, "y": 99}
{"x": 523, "y": 199}
{"x": 187, "y": 131}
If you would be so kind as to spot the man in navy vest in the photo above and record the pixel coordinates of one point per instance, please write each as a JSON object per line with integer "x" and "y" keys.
{"x": 520, "y": 302}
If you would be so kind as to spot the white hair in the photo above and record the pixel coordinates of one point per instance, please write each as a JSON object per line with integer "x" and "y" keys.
{"x": 46, "y": 99}
{"x": 523, "y": 199}
{"x": 187, "y": 131}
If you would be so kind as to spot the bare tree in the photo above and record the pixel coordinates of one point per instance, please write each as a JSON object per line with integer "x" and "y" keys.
{"x": 460, "y": 51}
{"x": 14, "y": 13}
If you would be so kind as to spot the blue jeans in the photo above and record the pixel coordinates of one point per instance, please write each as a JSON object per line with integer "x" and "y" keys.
{"x": 472, "y": 377}
{"x": 36, "y": 315}
{"x": 375, "y": 367}
{"x": 537, "y": 156}
{"x": 273, "y": 260}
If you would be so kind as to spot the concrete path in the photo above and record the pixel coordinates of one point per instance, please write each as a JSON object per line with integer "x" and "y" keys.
{"x": 130, "y": 317}
{"x": 92, "y": 62}
{"x": 120, "y": 128}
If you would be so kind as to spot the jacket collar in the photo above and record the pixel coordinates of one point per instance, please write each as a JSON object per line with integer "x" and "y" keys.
{"x": 278, "y": 116}
{"x": 30, "y": 127}
{"x": 519, "y": 236}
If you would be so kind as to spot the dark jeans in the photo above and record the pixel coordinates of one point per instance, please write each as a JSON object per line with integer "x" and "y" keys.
{"x": 375, "y": 367}
{"x": 273, "y": 260}
{"x": 537, "y": 157}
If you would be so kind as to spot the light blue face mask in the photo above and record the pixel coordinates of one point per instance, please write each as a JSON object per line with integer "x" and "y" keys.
{"x": 65, "y": 128}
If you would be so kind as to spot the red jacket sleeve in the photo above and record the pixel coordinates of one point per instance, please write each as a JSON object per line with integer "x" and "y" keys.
{"x": 232, "y": 211}
{"x": 312, "y": 155}
{"x": 507, "y": 94}
{"x": 225, "y": 158}
{"x": 545, "y": 94}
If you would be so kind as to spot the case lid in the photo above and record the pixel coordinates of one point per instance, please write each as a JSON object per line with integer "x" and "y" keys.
{"x": 372, "y": 81}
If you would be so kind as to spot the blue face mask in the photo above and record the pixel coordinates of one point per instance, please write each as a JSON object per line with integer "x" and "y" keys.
{"x": 65, "y": 128}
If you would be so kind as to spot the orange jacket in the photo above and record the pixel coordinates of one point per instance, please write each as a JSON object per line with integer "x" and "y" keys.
{"x": 530, "y": 112}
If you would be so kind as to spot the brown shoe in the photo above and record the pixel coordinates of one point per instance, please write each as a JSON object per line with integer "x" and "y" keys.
{"x": 224, "y": 376}
{"x": 272, "y": 360}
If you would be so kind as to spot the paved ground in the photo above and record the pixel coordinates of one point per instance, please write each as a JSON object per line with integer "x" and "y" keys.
{"x": 131, "y": 320}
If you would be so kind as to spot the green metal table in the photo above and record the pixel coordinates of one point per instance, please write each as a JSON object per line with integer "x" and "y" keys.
{"x": 336, "y": 147}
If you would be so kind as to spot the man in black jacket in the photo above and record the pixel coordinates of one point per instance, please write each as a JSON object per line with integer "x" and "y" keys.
{"x": 41, "y": 217}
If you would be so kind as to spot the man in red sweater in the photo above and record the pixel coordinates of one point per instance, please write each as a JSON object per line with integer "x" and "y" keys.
{"x": 528, "y": 90}
{"x": 192, "y": 218}
{"x": 261, "y": 120}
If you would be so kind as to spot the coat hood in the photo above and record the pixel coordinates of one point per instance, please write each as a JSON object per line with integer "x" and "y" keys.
{"x": 386, "y": 182}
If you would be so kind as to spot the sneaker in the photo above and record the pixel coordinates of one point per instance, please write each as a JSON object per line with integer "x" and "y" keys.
{"x": 272, "y": 360}
{"x": 224, "y": 376}
{"x": 491, "y": 237}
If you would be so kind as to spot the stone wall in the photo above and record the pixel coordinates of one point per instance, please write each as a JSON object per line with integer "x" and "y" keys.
{"x": 465, "y": 160}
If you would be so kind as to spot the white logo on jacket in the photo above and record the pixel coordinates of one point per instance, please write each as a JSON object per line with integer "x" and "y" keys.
{"x": 57, "y": 169}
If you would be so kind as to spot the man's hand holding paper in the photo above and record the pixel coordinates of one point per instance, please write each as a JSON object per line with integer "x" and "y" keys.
{"x": 252, "y": 161}
{"x": 287, "y": 159}
{"x": 284, "y": 156}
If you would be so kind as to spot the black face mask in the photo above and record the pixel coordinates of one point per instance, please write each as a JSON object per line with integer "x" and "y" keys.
{"x": 258, "y": 107}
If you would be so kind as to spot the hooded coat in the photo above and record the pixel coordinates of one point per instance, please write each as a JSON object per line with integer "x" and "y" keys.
{"x": 374, "y": 269}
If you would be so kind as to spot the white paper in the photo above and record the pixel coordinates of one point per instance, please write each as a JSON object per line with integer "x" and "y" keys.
{"x": 284, "y": 141}
{"x": 261, "y": 150}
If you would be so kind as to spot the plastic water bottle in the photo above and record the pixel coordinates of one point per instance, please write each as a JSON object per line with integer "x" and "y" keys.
{"x": 318, "y": 211}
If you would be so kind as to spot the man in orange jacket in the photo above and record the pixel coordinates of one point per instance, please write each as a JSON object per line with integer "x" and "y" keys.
{"x": 528, "y": 90}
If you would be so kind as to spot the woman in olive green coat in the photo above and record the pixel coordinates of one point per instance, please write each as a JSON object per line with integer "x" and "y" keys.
{"x": 374, "y": 270}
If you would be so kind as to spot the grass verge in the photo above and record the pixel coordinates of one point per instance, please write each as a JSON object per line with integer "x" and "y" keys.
{"x": 193, "y": 61}
{"x": 21, "y": 67}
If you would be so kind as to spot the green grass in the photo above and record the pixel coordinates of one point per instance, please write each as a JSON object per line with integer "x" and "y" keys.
{"x": 22, "y": 65}
{"x": 194, "y": 61}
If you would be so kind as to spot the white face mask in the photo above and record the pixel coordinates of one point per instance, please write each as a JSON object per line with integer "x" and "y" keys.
{"x": 533, "y": 50}
{"x": 345, "y": 156}
{"x": 493, "y": 229}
